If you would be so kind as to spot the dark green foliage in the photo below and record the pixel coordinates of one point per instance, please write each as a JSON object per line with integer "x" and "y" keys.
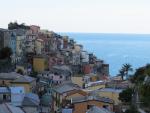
{"x": 20, "y": 71}
{"x": 5, "y": 53}
{"x": 145, "y": 94}
{"x": 140, "y": 74}
{"x": 5, "y": 59}
{"x": 143, "y": 89}
{"x": 126, "y": 95}
{"x": 15, "y": 25}
{"x": 132, "y": 109}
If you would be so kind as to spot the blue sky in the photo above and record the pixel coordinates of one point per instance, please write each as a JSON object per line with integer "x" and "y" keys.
{"x": 103, "y": 16}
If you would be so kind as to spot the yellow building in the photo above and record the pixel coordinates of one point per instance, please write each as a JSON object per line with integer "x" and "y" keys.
{"x": 7, "y": 78}
{"x": 40, "y": 63}
{"x": 92, "y": 77}
{"x": 89, "y": 82}
{"x": 110, "y": 93}
{"x": 39, "y": 46}
{"x": 27, "y": 82}
{"x": 78, "y": 81}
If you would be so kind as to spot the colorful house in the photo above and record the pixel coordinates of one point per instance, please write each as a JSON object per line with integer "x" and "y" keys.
{"x": 34, "y": 29}
{"x": 30, "y": 43}
{"x": 4, "y": 38}
{"x": 40, "y": 63}
{"x": 7, "y": 78}
{"x": 29, "y": 83}
{"x": 82, "y": 104}
{"x": 87, "y": 69}
{"x": 64, "y": 93}
{"x": 77, "y": 80}
{"x": 20, "y": 46}
{"x": 5, "y": 94}
{"x": 39, "y": 46}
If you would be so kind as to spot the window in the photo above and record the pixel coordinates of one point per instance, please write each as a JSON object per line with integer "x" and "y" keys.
{"x": 105, "y": 106}
{"x": 20, "y": 91}
{"x": 3, "y": 82}
{"x": 4, "y": 97}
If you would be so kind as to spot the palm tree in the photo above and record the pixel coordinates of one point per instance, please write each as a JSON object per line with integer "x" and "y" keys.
{"x": 122, "y": 73}
{"x": 127, "y": 68}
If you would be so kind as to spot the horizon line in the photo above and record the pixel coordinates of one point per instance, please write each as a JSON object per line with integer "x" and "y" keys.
{"x": 105, "y": 33}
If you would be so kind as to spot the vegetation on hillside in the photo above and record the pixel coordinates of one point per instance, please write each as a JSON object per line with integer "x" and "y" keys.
{"x": 5, "y": 53}
{"x": 141, "y": 81}
{"x": 5, "y": 59}
{"x": 126, "y": 95}
{"x": 15, "y": 25}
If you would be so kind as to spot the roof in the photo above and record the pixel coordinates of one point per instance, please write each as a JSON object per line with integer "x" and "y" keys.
{"x": 110, "y": 90}
{"x": 1, "y": 29}
{"x": 4, "y": 90}
{"x": 8, "y": 108}
{"x": 31, "y": 99}
{"x": 67, "y": 110}
{"x": 65, "y": 88}
{"x": 63, "y": 67}
{"x": 24, "y": 79}
{"x": 91, "y": 98}
{"x": 63, "y": 70}
{"x": 96, "y": 109}
{"x": 46, "y": 99}
{"x": 9, "y": 76}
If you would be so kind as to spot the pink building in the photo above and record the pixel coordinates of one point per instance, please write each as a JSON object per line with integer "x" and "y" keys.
{"x": 53, "y": 60}
{"x": 34, "y": 29}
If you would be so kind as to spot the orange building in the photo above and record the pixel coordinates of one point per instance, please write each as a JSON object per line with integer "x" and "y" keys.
{"x": 87, "y": 69}
{"x": 64, "y": 93}
{"x": 81, "y": 104}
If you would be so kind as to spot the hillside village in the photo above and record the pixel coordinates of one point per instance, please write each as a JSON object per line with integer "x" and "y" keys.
{"x": 50, "y": 73}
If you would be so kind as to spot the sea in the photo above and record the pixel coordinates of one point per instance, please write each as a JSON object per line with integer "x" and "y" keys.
{"x": 116, "y": 49}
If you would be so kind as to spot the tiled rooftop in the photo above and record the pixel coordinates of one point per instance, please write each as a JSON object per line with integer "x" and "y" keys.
{"x": 96, "y": 109}
{"x": 27, "y": 79}
{"x": 65, "y": 88}
{"x": 88, "y": 98}
{"x": 9, "y": 76}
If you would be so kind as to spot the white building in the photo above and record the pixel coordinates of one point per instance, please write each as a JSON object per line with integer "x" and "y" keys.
{"x": 17, "y": 95}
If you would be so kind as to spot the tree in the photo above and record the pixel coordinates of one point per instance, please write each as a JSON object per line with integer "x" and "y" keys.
{"x": 5, "y": 53}
{"x": 132, "y": 109}
{"x": 126, "y": 95}
{"x": 126, "y": 68}
{"x": 122, "y": 73}
{"x": 138, "y": 76}
{"x": 20, "y": 71}
{"x": 15, "y": 25}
